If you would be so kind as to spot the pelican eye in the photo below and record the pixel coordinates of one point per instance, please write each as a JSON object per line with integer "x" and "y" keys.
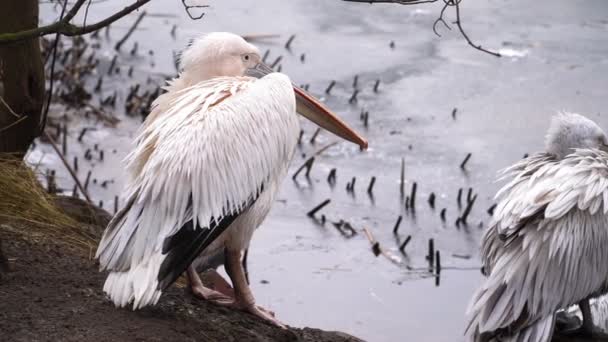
{"x": 246, "y": 57}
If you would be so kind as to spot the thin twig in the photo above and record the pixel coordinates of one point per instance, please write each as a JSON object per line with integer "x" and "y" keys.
{"x": 52, "y": 77}
{"x": 66, "y": 28}
{"x": 133, "y": 28}
{"x": 10, "y": 110}
{"x": 441, "y": 20}
{"x": 13, "y": 123}
{"x": 189, "y": 7}
{"x": 464, "y": 34}
{"x": 324, "y": 148}
{"x": 68, "y": 167}
{"x": 448, "y": 3}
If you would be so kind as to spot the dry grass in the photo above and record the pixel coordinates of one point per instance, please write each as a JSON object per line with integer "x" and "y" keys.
{"x": 28, "y": 210}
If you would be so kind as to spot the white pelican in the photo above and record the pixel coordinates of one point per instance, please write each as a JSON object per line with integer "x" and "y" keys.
{"x": 546, "y": 247}
{"x": 205, "y": 170}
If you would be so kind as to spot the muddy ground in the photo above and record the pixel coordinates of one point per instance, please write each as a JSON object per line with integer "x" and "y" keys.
{"x": 53, "y": 292}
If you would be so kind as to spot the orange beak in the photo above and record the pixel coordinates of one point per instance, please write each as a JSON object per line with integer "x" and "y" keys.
{"x": 315, "y": 111}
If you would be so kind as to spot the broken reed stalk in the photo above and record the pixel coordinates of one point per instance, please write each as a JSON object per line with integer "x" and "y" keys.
{"x": 431, "y": 253}
{"x": 289, "y": 41}
{"x": 432, "y": 200}
{"x": 397, "y": 224}
{"x": 459, "y": 198}
{"x": 318, "y": 207}
{"x": 307, "y": 164}
{"x": 353, "y": 97}
{"x": 314, "y": 136}
{"x": 276, "y": 62}
{"x": 86, "y": 181}
{"x": 370, "y": 188}
{"x": 467, "y": 210}
{"x": 350, "y": 187}
{"x": 67, "y": 166}
{"x": 112, "y": 64}
{"x": 402, "y": 179}
{"x": 82, "y": 133}
{"x": 413, "y": 196}
{"x": 491, "y": 209}
{"x": 404, "y": 244}
{"x": 464, "y": 162}
{"x": 131, "y": 30}
{"x": 325, "y": 148}
{"x": 437, "y": 268}
{"x": 64, "y": 141}
{"x": 331, "y": 178}
{"x": 331, "y": 85}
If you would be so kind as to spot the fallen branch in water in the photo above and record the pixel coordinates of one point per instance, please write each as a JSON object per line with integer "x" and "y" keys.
{"x": 378, "y": 250}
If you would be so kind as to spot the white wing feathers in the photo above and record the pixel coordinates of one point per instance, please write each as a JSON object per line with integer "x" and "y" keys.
{"x": 544, "y": 248}
{"x": 543, "y": 184}
{"x": 208, "y": 152}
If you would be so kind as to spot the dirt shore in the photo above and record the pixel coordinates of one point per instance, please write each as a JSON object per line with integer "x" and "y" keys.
{"x": 54, "y": 294}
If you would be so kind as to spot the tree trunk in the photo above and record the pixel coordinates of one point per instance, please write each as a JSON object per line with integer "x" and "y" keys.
{"x": 21, "y": 78}
{"x": 21, "y": 82}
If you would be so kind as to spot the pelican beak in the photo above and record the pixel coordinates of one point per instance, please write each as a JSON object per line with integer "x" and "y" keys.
{"x": 315, "y": 111}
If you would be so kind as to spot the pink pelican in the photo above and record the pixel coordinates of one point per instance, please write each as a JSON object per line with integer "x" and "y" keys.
{"x": 545, "y": 249}
{"x": 205, "y": 170}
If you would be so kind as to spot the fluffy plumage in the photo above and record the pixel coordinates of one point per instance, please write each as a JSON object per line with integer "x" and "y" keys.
{"x": 206, "y": 155}
{"x": 545, "y": 247}
{"x": 569, "y": 131}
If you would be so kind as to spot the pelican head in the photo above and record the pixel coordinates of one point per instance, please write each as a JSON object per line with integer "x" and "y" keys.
{"x": 569, "y": 131}
{"x": 218, "y": 54}
{"x": 226, "y": 54}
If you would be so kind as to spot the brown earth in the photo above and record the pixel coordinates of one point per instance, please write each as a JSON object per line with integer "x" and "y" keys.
{"x": 53, "y": 293}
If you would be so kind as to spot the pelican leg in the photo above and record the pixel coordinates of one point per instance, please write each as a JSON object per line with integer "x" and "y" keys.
{"x": 584, "y": 329}
{"x": 201, "y": 291}
{"x": 587, "y": 326}
{"x": 215, "y": 281}
{"x": 244, "y": 299}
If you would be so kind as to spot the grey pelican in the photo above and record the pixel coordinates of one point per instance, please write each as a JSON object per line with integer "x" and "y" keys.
{"x": 205, "y": 169}
{"x": 545, "y": 248}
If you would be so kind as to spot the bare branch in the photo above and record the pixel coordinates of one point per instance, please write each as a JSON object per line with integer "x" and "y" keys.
{"x": 458, "y": 23}
{"x": 86, "y": 13}
{"x": 133, "y": 27}
{"x": 400, "y": 2}
{"x": 64, "y": 26}
{"x": 52, "y": 79}
{"x": 189, "y": 7}
{"x": 447, "y": 3}
{"x": 441, "y": 20}
{"x": 10, "y": 110}
{"x": 13, "y": 123}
